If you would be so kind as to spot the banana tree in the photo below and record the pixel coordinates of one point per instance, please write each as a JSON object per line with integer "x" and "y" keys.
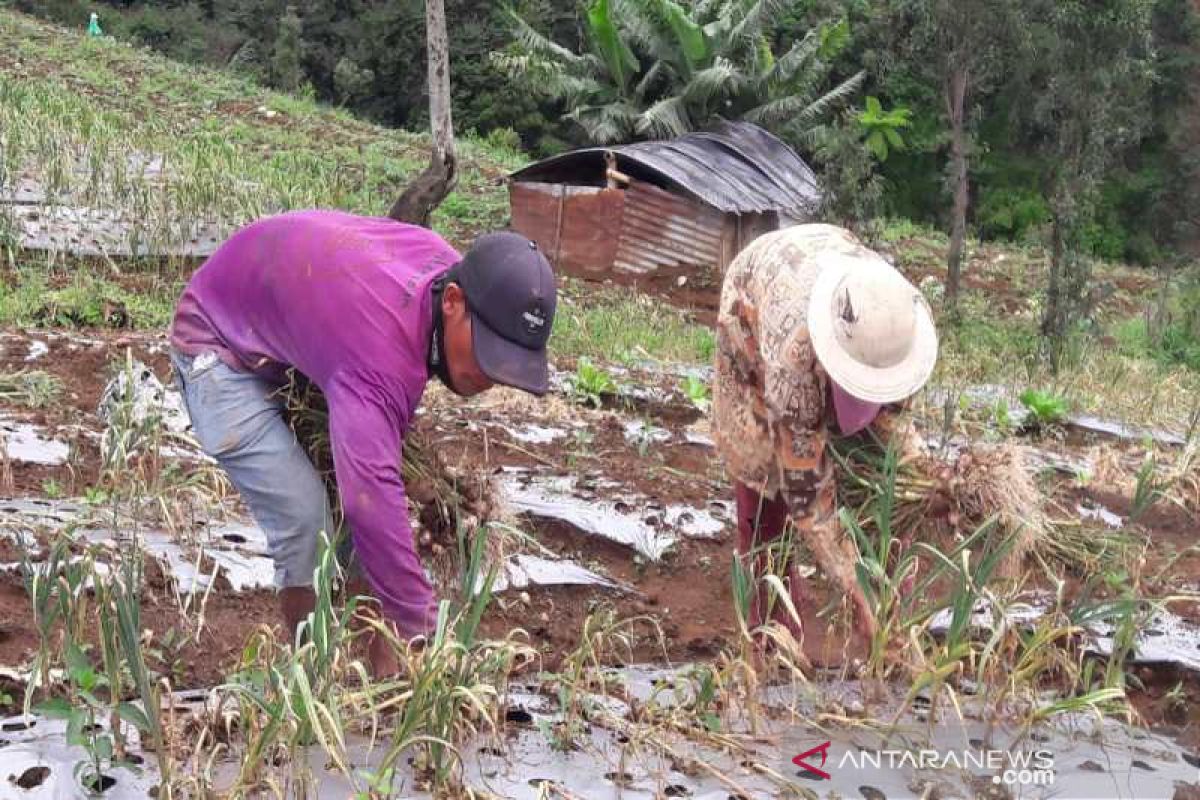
{"x": 659, "y": 68}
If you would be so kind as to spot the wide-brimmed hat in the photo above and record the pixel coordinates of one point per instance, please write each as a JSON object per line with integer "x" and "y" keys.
{"x": 870, "y": 328}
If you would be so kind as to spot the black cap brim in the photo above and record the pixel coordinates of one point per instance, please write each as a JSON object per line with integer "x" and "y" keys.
{"x": 508, "y": 363}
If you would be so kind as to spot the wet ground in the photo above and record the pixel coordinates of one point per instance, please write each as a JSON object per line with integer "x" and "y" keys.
{"x": 626, "y": 505}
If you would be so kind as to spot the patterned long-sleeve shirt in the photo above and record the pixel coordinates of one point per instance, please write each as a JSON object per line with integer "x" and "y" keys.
{"x": 771, "y": 415}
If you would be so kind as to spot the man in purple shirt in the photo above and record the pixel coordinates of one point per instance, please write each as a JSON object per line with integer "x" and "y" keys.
{"x": 367, "y": 309}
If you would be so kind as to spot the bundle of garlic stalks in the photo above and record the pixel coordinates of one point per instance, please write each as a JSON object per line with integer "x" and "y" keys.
{"x": 940, "y": 501}
{"x": 446, "y": 500}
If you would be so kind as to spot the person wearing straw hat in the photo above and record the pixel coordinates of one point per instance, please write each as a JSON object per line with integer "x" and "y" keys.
{"x": 817, "y": 336}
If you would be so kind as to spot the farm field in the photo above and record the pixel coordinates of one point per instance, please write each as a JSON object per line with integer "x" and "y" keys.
{"x": 603, "y": 654}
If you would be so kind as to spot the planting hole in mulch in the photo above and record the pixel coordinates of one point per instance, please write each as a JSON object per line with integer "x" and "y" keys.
{"x": 135, "y": 759}
{"x": 1142, "y": 765}
{"x": 1194, "y": 760}
{"x": 234, "y": 538}
{"x": 99, "y": 783}
{"x": 491, "y": 751}
{"x": 871, "y": 793}
{"x": 1091, "y": 766}
{"x": 677, "y": 790}
{"x": 18, "y": 725}
{"x": 539, "y": 783}
{"x": 619, "y": 778}
{"x": 31, "y": 778}
{"x": 518, "y": 716}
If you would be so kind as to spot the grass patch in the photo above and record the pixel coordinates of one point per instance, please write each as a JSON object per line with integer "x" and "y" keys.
{"x": 83, "y": 114}
{"x": 1177, "y": 346}
{"x": 30, "y": 296}
{"x": 1119, "y": 382}
{"x": 624, "y": 327}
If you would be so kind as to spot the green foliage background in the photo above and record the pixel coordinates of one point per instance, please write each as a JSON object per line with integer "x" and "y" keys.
{"x": 369, "y": 56}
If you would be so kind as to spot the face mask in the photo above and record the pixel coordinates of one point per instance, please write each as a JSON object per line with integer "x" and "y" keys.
{"x": 437, "y": 362}
{"x": 853, "y": 414}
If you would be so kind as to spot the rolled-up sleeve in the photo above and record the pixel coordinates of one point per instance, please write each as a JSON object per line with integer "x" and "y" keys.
{"x": 368, "y": 419}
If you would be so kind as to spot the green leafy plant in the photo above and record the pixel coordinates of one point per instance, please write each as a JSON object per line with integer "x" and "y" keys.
{"x": 52, "y": 489}
{"x": 1001, "y": 416}
{"x": 697, "y": 393}
{"x": 41, "y": 583}
{"x": 881, "y": 129}
{"x": 590, "y": 383}
{"x": 95, "y": 496}
{"x": 32, "y": 388}
{"x": 83, "y": 729}
{"x": 1147, "y": 489}
{"x": 1045, "y": 409}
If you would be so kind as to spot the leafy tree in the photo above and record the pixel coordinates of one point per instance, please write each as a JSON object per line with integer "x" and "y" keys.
{"x": 658, "y": 68}
{"x": 960, "y": 47}
{"x": 1089, "y": 92}
{"x": 285, "y": 60}
{"x": 350, "y": 79}
{"x": 853, "y": 187}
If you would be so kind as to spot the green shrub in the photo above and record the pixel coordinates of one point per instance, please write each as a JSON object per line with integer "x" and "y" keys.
{"x": 1011, "y": 212}
{"x": 1044, "y": 408}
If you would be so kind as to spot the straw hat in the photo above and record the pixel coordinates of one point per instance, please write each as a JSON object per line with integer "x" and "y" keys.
{"x": 871, "y": 329}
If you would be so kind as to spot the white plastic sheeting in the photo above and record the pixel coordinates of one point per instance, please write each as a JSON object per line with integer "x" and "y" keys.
{"x": 1164, "y": 638}
{"x": 1091, "y": 758}
{"x": 25, "y": 442}
{"x": 637, "y": 522}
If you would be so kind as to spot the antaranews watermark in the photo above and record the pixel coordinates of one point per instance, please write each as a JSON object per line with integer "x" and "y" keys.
{"x": 1009, "y": 767}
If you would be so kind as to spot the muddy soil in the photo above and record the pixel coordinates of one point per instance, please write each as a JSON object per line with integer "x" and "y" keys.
{"x": 687, "y": 595}
{"x": 229, "y": 618}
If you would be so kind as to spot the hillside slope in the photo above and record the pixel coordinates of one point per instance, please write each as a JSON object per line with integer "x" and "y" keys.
{"x": 78, "y": 112}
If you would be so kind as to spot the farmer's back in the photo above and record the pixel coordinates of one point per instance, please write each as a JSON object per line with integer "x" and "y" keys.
{"x": 322, "y": 291}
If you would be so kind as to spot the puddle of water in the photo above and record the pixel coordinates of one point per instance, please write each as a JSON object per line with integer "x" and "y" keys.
{"x": 627, "y": 520}
{"x": 24, "y": 442}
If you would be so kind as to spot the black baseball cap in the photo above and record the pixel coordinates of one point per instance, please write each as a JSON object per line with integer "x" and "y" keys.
{"x": 511, "y": 297}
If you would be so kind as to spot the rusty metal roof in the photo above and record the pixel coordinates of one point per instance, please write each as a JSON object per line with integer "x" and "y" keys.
{"x": 736, "y": 167}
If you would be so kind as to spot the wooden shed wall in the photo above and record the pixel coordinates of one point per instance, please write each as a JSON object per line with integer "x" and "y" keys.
{"x": 577, "y": 227}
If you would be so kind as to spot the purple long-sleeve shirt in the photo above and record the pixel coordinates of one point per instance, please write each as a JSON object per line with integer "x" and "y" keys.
{"x": 345, "y": 300}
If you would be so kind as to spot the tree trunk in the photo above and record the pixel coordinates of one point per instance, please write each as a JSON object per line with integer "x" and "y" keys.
{"x": 956, "y": 91}
{"x": 431, "y": 187}
{"x": 1052, "y": 317}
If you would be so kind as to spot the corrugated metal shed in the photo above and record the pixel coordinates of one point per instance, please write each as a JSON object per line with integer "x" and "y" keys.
{"x": 736, "y": 168}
